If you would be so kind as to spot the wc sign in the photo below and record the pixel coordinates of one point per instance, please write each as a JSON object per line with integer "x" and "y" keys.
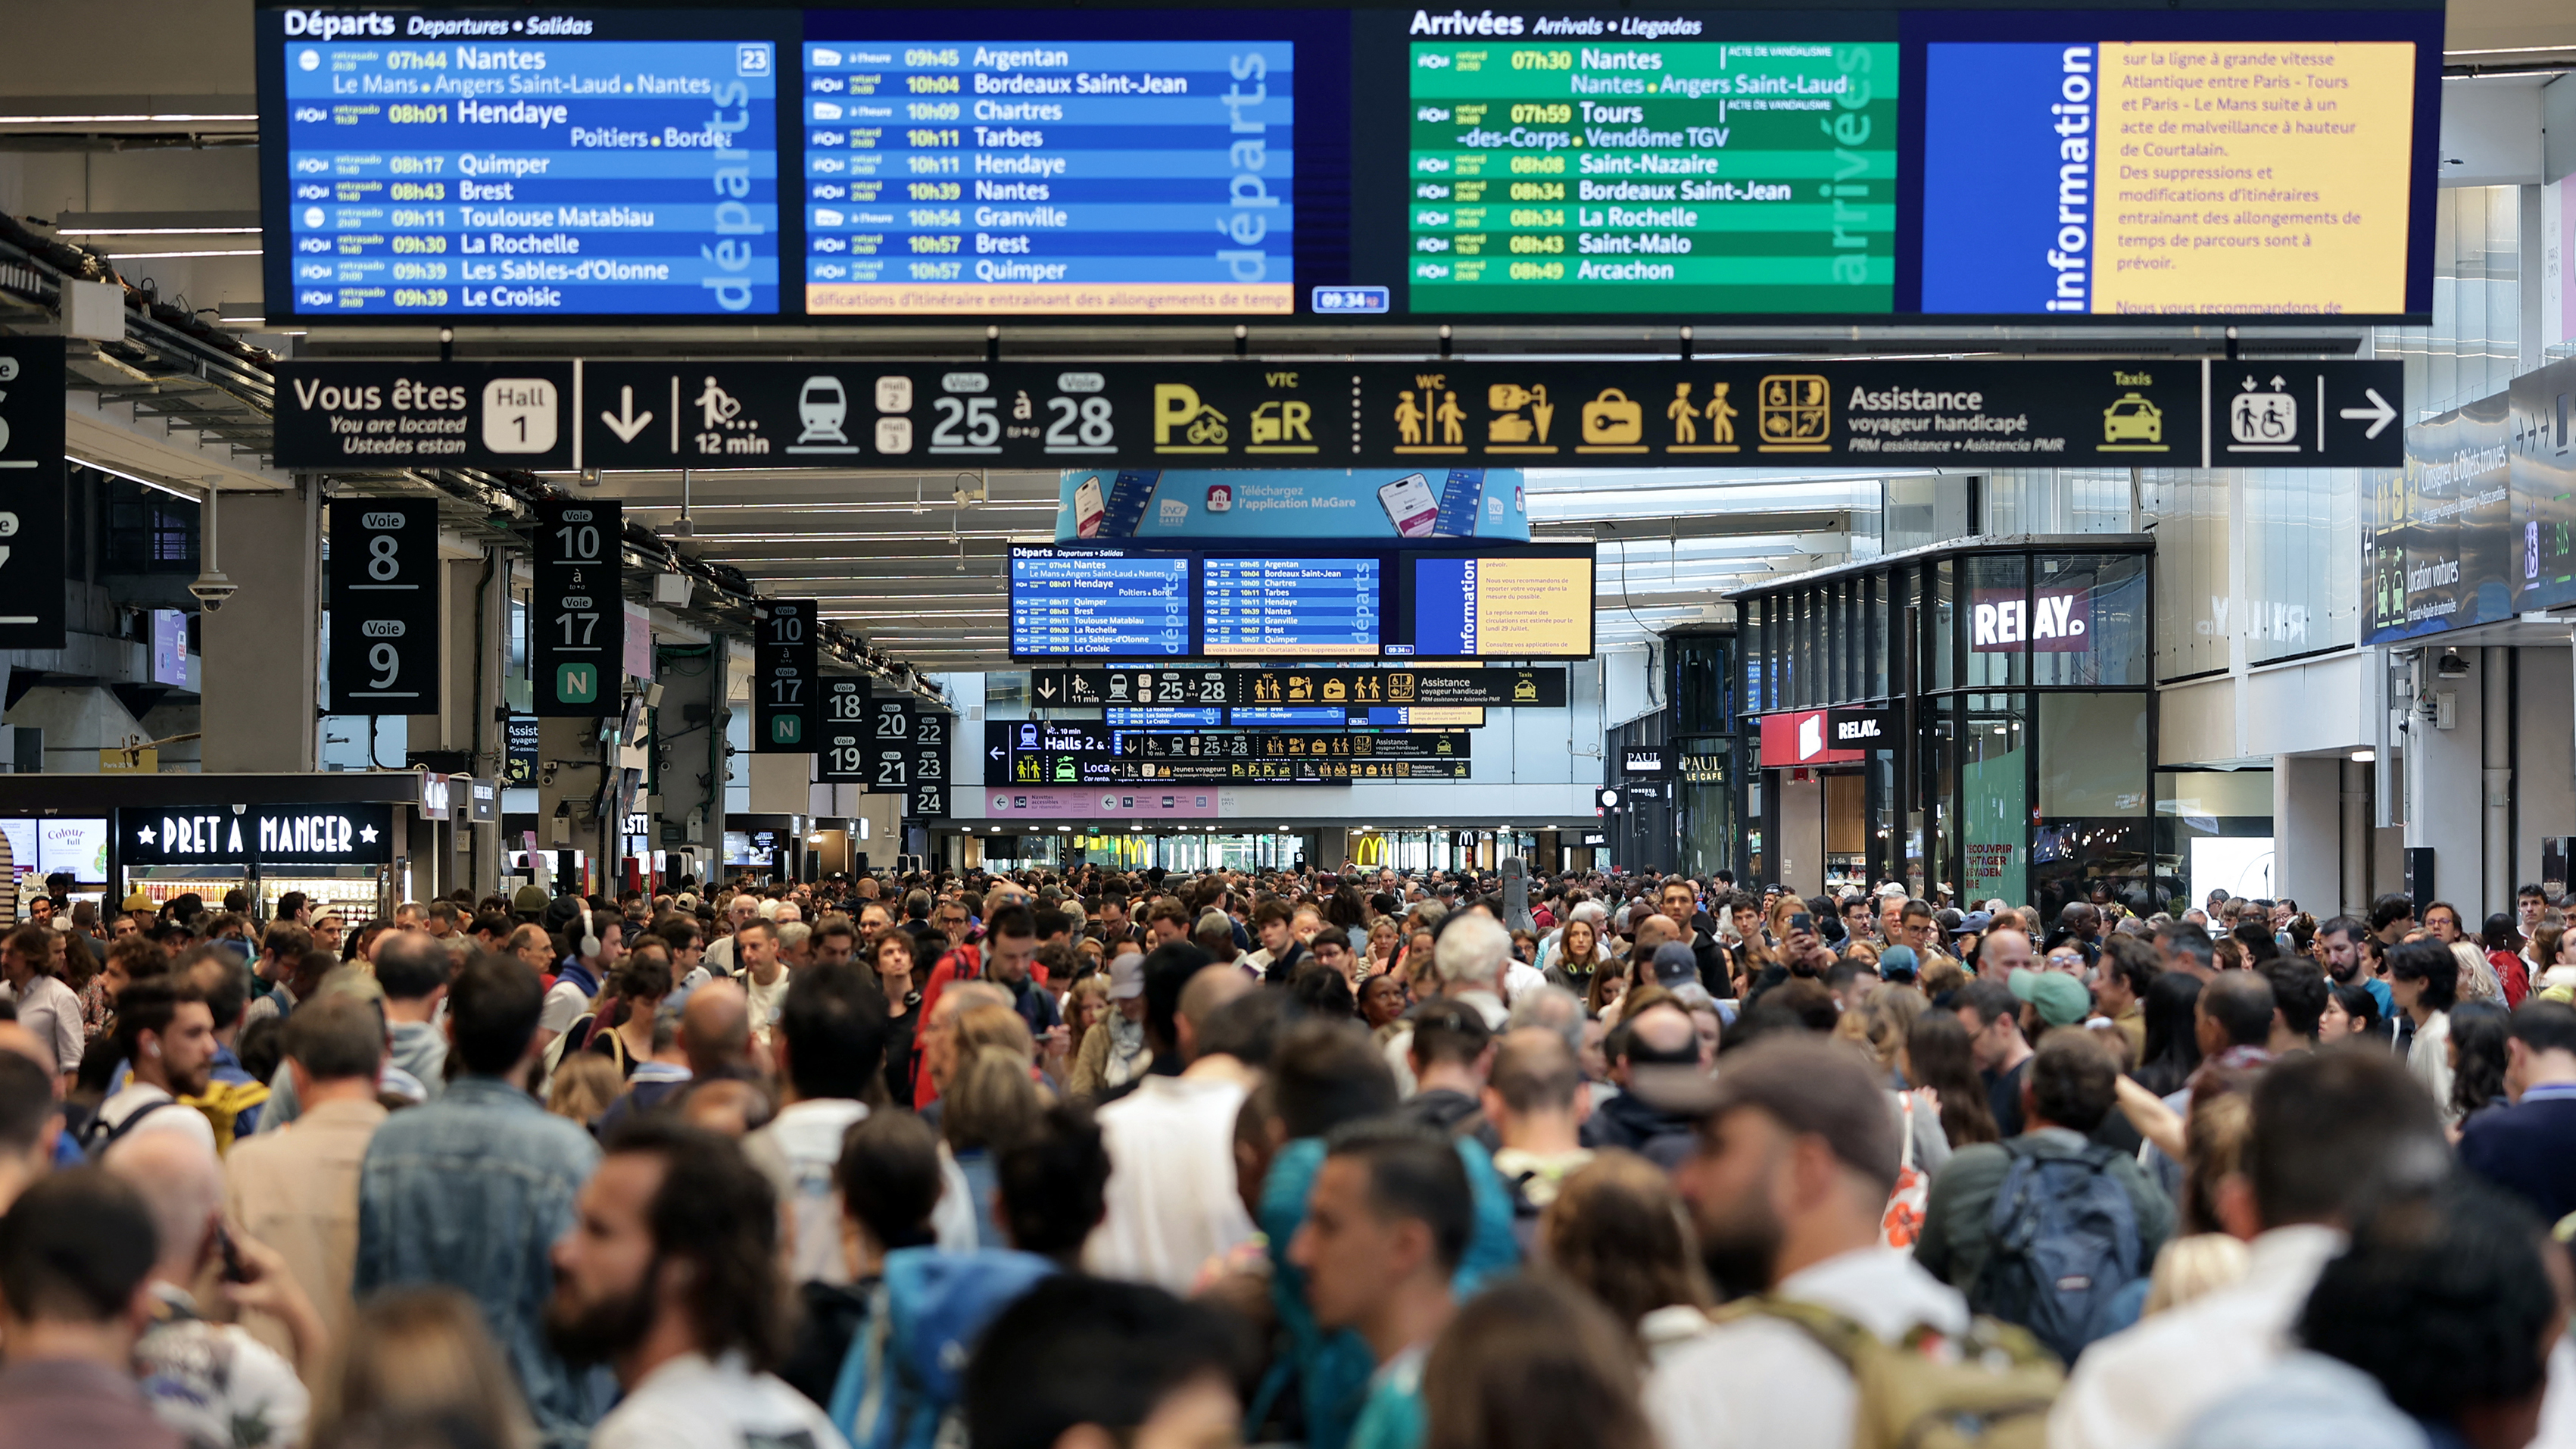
{"x": 2057, "y": 621}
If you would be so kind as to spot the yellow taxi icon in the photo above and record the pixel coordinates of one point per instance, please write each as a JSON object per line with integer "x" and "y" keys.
{"x": 2133, "y": 418}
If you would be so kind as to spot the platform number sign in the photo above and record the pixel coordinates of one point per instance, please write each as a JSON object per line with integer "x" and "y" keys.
{"x": 927, "y": 801}
{"x": 576, "y": 615}
{"x": 384, "y": 606}
{"x": 929, "y": 748}
{"x": 889, "y": 736}
{"x": 784, "y": 669}
{"x": 31, "y": 493}
{"x": 842, "y": 754}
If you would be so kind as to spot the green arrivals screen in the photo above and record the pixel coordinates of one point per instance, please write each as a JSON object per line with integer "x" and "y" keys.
{"x": 1582, "y": 174}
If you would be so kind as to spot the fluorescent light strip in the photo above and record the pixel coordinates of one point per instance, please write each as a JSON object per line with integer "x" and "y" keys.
{"x": 2515, "y": 50}
{"x": 134, "y": 478}
{"x": 165, "y": 256}
{"x": 122, "y": 120}
{"x": 157, "y": 231}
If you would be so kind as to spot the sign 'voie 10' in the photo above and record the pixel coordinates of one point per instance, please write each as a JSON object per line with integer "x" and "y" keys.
{"x": 472, "y": 163}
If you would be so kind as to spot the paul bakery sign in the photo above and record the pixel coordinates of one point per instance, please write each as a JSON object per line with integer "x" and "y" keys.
{"x": 263, "y": 835}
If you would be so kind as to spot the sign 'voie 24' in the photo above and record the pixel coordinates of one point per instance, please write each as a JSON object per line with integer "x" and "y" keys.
{"x": 262, "y": 835}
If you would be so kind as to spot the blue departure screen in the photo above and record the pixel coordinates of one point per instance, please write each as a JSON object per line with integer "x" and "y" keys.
{"x": 1290, "y": 608}
{"x": 1024, "y": 174}
{"x": 1163, "y": 717}
{"x": 1099, "y": 604}
{"x": 473, "y": 163}
{"x": 1303, "y": 716}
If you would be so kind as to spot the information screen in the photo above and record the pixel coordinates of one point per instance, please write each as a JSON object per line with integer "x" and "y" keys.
{"x": 501, "y": 164}
{"x": 1268, "y": 160}
{"x": 1290, "y": 608}
{"x": 1473, "y": 606}
{"x": 1099, "y": 604}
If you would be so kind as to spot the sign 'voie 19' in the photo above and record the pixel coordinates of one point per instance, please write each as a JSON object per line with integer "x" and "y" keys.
{"x": 481, "y": 163}
{"x": 576, "y": 615}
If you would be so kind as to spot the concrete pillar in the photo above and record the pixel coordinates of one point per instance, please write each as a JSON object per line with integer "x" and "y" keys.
{"x": 2358, "y": 842}
{"x": 261, "y": 664}
{"x": 2447, "y": 784}
{"x": 570, "y": 772}
{"x": 2307, "y": 831}
{"x": 689, "y": 753}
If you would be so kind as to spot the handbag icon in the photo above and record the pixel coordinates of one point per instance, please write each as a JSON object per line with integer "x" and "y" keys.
{"x": 1612, "y": 418}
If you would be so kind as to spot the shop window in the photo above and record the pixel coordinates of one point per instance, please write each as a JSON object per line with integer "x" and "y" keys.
{"x": 2088, "y": 620}
{"x": 2093, "y": 755}
{"x": 1998, "y": 620}
{"x": 1942, "y": 638}
{"x": 1994, "y": 797}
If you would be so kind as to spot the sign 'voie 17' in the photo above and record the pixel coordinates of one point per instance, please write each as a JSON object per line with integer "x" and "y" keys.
{"x": 264, "y": 835}
{"x": 784, "y": 666}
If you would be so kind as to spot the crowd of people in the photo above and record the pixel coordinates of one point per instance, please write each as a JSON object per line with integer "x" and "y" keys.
{"x": 1083, "y": 1159}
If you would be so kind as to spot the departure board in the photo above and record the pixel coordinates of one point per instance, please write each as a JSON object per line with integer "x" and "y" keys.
{"x": 476, "y": 163}
{"x": 1580, "y": 174}
{"x": 1290, "y": 608}
{"x": 1048, "y": 176}
{"x": 1099, "y": 604}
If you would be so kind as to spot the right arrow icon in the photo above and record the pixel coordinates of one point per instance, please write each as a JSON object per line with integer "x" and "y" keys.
{"x": 2379, "y": 412}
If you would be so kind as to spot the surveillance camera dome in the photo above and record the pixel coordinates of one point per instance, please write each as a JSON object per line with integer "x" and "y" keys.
{"x": 211, "y": 590}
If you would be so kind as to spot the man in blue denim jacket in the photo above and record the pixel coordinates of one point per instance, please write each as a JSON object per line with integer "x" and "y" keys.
{"x": 472, "y": 1190}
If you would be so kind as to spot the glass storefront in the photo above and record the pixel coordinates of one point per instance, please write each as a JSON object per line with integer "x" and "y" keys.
{"x": 1979, "y": 718}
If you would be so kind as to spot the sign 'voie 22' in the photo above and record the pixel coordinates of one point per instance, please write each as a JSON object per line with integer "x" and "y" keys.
{"x": 1260, "y": 160}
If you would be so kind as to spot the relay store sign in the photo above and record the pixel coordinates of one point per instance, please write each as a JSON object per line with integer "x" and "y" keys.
{"x": 1803, "y": 739}
{"x": 2053, "y": 621}
{"x": 258, "y": 835}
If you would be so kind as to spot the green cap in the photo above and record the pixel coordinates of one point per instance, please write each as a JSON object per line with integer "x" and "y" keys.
{"x": 529, "y": 900}
{"x": 2061, "y": 999}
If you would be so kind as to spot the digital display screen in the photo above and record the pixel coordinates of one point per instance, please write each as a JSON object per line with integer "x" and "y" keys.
{"x": 1475, "y": 606}
{"x": 1290, "y": 608}
{"x": 486, "y": 164}
{"x": 1163, "y": 717}
{"x": 1268, "y": 161}
{"x": 1099, "y": 605}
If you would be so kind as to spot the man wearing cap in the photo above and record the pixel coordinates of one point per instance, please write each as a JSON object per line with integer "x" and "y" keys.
{"x": 2067, "y": 1093}
{"x": 1795, "y": 1156}
{"x": 1115, "y": 1052}
{"x": 1662, "y": 1039}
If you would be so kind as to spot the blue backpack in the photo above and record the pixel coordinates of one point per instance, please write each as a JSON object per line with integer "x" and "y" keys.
{"x": 2066, "y": 1262}
{"x": 899, "y": 1384}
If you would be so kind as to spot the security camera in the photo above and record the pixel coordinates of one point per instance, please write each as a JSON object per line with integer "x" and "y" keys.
{"x": 211, "y": 590}
{"x": 2452, "y": 665}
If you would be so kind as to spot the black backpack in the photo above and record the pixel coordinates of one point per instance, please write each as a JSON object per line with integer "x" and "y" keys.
{"x": 2066, "y": 1263}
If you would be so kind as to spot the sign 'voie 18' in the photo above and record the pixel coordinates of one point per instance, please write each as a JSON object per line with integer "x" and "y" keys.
{"x": 360, "y": 834}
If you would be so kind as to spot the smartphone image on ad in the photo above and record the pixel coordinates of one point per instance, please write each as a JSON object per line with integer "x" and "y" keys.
{"x": 1409, "y": 506}
{"x": 1087, "y": 508}
{"x": 1127, "y": 499}
{"x": 1458, "y": 504}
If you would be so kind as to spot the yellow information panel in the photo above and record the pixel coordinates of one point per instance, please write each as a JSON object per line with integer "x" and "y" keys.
{"x": 1533, "y": 607}
{"x": 2246, "y": 177}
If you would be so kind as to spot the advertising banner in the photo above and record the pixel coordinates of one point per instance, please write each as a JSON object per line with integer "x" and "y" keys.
{"x": 1358, "y": 503}
{"x": 2438, "y": 552}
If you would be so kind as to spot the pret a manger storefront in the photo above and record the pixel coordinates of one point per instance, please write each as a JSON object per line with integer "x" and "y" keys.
{"x": 1974, "y": 716}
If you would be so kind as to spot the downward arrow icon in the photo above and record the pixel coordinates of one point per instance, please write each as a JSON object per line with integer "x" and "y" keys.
{"x": 625, "y": 422}
{"x": 2379, "y": 412}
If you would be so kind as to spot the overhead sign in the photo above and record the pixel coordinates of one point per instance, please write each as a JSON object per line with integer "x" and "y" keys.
{"x": 929, "y": 750}
{"x": 842, "y": 755}
{"x": 576, "y": 617}
{"x": 519, "y": 735}
{"x": 424, "y": 414}
{"x": 1803, "y": 739}
{"x": 1111, "y": 504}
{"x": 927, "y": 800}
{"x": 262, "y": 835}
{"x": 890, "y": 750}
{"x": 1438, "y": 417}
{"x": 1860, "y": 729}
{"x": 1490, "y": 688}
{"x": 384, "y": 606}
{"x": 1645, "y": 760}
{"x": 31, "y": 493}
{"x": 482, "y": 798}
{"x": 2480, "y": 525}
{"x": 786, "y": 677}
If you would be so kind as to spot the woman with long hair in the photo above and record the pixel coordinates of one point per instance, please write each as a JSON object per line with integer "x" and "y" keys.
{"x": 1936, "y": 1055}
{"x": 2478, "y": 1031}
{"x": 2172, "y": 1051}
{"x": 421, "y": 1357}
{"x": 1578, "y": 957}
{"x": 1617, "y": 1228}
{"x": 1385, "y": 942}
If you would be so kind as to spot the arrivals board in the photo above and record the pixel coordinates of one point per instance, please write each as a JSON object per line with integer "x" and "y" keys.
{"x": 1078, "y": 163}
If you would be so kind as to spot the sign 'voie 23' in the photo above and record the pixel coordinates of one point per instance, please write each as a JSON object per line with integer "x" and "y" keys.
{"x": 263, "y": 835}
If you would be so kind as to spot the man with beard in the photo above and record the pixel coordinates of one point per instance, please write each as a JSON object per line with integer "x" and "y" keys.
{"x": 1797, "y": 1153}
{"x": 669, "y": 1278}
{"x": 2340, "y": 940}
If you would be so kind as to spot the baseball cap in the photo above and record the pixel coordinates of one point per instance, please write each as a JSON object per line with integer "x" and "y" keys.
{"x": 1811, "y": 1085}
{"x": 1674, "y": 964}
{"x": 1897, "y": 963}
{"x": 1972, "y": 923}
{"x": 2061, "y": 999}
{"x": 1127, "y": 977}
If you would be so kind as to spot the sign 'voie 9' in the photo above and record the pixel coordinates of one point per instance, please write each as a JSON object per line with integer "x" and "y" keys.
{"x": 261, "y": 835}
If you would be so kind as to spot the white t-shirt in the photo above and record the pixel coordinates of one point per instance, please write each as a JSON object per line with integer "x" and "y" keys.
{"x": 797, "y": 1151}
{"x": 1172, "y": 1202}
{"x": 691, "y": 1403}
{"x": 564, "y": 1006}
{"x": 766, "y": 1002}
{"x": 178, "y": 1117}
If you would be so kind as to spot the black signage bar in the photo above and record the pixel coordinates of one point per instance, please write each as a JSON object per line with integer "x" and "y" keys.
{"x": 257, "y": 835}
{"x": 1860, "y": 729}
{"x": 785, "y": 672}
{"x": 926, "y": 801}
{"x": 1490, "y": 688}
{"x": 576, "y": 616}
{"x": 1267, "y": 745}
{"x": 519, "y": 734}
{"x": 929, "y": 751}
{"x": 370, "y": 415}
{"x": 31, "y": 493}
{"x": 384, "y": 606}
{"x": 843, "y": 754}
{"x": 1724, "y": 414}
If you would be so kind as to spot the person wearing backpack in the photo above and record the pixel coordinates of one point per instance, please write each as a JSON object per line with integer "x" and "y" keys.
{"x": 2048, "y": 1230}
{"x": 1840, "y": 1343}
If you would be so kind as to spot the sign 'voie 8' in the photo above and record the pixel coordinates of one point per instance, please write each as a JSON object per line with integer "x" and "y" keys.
{"x": 576, "y": 614}
{"x": 384, "y": 606}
